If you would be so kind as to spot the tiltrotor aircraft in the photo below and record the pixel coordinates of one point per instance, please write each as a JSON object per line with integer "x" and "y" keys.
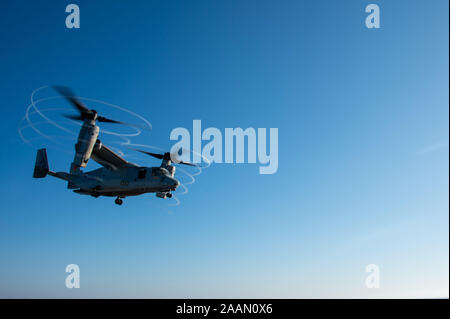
{"x": 118, "y": 177}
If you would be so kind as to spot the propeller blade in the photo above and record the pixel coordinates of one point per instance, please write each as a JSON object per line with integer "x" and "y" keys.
{"x": 159, "y": 156}
{"x": 86, "y": 113}
{"x": 186, "y": 163}
{"x": 180, "y": 153}
{"x": 107, "y": 120}
{"x": 74, "y": 117}
{"x": 70, "y": 96}
{"x": 165, "y": 156}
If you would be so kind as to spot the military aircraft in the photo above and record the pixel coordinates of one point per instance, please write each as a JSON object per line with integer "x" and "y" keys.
{"x": 118, "y": 177}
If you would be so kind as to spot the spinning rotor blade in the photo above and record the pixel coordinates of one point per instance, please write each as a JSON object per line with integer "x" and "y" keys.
{"x": 165, "y": 156}
{"x": 186, "y": 163}
{"x": 99, "y": 119}
{"x": 179, "y": 153}
{"x": 70, "y": 96}
{"x": 84, "y": 112}
{"x": 107, "y": 120}
{"x": 158, "y": 156}
{"x": 74, "y": 117}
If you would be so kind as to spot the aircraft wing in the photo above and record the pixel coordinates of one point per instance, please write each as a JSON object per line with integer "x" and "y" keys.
{"x": 107, "y": 158}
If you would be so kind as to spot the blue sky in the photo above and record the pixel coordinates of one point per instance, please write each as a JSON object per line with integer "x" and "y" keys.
{"x": 363, "y": 149}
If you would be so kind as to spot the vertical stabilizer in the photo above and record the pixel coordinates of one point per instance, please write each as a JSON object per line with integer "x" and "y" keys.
{"x": 41, "y": 165}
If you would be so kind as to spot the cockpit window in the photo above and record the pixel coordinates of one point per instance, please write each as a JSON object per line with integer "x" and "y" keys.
{"x": 158, "y": 171}
{"x": 142, "y": 173}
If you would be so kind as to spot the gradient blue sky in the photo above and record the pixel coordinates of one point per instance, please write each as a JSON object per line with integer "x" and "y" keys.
{"x": 363, "y": 175}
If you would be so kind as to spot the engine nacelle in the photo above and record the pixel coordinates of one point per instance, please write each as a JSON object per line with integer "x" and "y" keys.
{"x": 85, "y": 144}
{"x": 171, "y": 169}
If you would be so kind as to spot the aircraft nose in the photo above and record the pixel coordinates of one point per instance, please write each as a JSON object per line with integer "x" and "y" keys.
{"x": 173, "y": 182}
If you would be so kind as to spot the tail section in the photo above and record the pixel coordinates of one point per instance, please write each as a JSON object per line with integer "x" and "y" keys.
{"x": 41, "y": 166}
{"x": 41, "y": 169}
